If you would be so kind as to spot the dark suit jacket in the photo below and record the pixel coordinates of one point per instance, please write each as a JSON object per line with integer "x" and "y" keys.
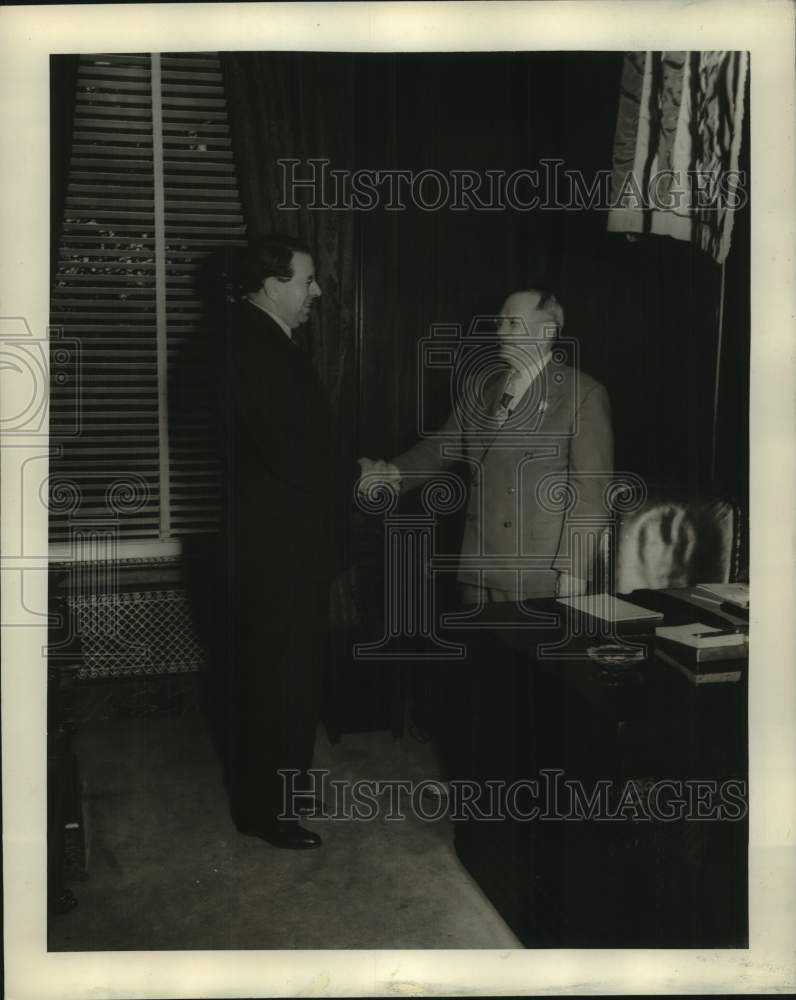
{"x": 556, "y": 445}
{"x": 285, "y": 490}
{"x": 284, "y": 500}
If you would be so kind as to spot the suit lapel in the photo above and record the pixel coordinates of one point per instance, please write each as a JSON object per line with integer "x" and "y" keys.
{"x": 536, "y": 406}
{"x": 533, "y": 412}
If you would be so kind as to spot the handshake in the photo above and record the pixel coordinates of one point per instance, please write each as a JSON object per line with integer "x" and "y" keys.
{"x": 377, "y": 474}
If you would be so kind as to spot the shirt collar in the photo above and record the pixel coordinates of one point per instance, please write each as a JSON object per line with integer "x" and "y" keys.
{"x": 277, "y": 319}
{"x": 521, "y": 378}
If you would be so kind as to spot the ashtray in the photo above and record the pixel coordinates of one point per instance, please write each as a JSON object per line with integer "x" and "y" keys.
{"x": 614, "y": 663}
{"x": 612, "y": 655}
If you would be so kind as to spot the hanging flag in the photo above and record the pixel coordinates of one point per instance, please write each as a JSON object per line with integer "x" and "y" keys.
{"x": 676, "y": 146}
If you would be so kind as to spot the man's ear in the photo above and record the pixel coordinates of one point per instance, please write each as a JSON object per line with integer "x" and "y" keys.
{"x": 271, "y": 287}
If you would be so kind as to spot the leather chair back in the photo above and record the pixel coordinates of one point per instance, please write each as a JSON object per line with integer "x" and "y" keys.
{"x": 677, "y": 543}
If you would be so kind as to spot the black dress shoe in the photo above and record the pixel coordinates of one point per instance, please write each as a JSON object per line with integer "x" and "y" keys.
{"x": 286, "y": 834}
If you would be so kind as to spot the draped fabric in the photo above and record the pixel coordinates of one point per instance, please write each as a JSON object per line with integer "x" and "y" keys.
{"x": 676, "y": 146}
{"x": 299, "y": 106}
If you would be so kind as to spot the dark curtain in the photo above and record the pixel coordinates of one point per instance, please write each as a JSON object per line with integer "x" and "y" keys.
{"x": 645, "y": 314}
{"x": 63, "y": 78}
{"x": 300, "y": 106}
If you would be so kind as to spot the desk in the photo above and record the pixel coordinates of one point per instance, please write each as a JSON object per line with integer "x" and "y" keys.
{"x": 639, "y": 879}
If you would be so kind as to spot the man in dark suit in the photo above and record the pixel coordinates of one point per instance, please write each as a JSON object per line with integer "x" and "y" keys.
{"x": 284, "y": 495}
{"x": 534, "y": 432}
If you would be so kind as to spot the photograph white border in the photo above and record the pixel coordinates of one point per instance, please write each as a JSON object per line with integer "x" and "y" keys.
{"x": 765, "y": 28}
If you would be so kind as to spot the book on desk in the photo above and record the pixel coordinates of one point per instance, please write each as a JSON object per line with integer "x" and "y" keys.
{"x": 704, "y": 654}
{"x": 706, "y": 672}
{"x": 698, "y": 643}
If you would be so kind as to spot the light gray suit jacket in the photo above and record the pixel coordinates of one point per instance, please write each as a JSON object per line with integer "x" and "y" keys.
{"x": 536, "y": 480}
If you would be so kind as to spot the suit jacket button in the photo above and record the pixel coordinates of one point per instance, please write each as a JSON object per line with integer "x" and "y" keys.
{"x": 507, "y": 524}
{"x": 511, "y": 489}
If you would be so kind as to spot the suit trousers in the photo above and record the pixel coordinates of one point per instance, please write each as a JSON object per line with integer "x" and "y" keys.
{"x": 278, "y": 666}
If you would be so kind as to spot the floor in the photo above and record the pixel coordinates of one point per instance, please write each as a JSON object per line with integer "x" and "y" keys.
{"x": 166, "y": 868}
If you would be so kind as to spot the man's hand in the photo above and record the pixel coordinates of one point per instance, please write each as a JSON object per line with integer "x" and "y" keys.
{"x": 377, "y": 473}
{"x": 569, "y": 586}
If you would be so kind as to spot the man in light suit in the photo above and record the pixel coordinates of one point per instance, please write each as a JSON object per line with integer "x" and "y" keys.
{"x": 535, "y": 434}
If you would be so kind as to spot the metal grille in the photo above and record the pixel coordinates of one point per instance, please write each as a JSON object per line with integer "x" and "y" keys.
{"x": 138, "y": 633}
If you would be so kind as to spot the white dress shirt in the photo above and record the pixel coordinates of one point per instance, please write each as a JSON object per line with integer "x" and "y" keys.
{"x": 520, "y": 379}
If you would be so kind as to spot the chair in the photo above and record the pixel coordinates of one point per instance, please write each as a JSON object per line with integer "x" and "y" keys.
{"x": 674, "y": 542}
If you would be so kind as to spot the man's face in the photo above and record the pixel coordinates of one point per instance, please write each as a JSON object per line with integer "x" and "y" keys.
{"x": 523, "y": 329}
{"x": 293, "y": 298}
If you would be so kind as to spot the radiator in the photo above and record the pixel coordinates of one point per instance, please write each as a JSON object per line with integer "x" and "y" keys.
{"x": 132, "y": 619}
{"x": 136, "y": 633}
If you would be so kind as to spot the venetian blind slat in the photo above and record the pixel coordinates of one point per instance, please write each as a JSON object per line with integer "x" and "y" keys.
{"x": 104, "y": 293}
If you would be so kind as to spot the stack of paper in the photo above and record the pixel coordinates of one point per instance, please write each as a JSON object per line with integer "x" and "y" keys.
{"x": 609, "y": 608}
{"x": 704, "y": 673}
{"x": 700, "y": 643}
{"x": 727, "y": 593}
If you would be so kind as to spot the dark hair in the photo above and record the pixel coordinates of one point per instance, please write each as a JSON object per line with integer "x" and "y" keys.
{"x": 546, "y": 298}
{"x": 268, "y": 257}
{"x": 549, "y": 302}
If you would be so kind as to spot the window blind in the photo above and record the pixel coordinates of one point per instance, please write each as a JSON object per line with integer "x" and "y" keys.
{"x": 152, "y": 192}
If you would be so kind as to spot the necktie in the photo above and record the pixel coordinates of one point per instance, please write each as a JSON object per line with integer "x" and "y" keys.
{"x": 507, "y": 398}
